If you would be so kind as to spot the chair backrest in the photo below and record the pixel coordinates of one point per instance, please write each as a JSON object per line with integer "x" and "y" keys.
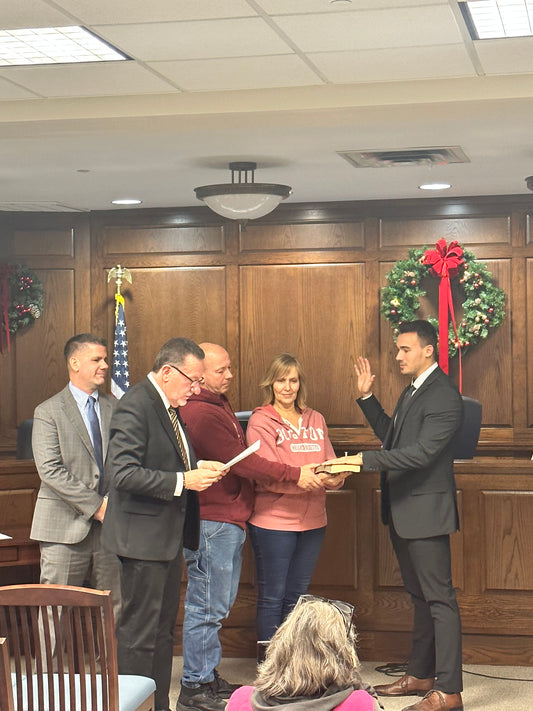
{"x": 62, "y": 640}
{"x": 243, "y": 416}
{"x": 6, "y": 690}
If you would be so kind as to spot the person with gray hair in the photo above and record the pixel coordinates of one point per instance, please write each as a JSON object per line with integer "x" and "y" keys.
{"x": 311, "y": 664}
{"x": 153, "y": 508}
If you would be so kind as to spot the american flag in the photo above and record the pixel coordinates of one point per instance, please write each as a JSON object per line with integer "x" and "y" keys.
{"x": 120, "y": 373}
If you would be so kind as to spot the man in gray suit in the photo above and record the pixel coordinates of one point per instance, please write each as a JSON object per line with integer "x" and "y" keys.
{"x": 418, "y": 500}
{"x": 70, "y": 436}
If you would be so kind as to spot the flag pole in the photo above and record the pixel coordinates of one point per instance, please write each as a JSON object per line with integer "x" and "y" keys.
{"x": 120, "y": 376}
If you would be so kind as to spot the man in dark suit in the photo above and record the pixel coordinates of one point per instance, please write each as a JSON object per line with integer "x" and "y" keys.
{"x": 153, "y": 508}
{"x": 419, "y": 505}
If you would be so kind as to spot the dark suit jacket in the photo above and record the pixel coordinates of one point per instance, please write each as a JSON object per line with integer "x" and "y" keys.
{"x": 144, "y": 520}
{"x": 418, "y": 491}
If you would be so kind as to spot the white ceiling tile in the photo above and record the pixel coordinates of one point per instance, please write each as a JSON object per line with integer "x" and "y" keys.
{"x": 10, "y": 91}
{"x": 15, "y": 14}
{"x": 282, "y": 7}
{"x": 506, "y": 56}
{"x": 195, "y": 40}
{"x": 238, "y": 73}
{"x": 91, "y": 79}
{"x": 372, "y": 29}
{"x": 99, "y": 12}
{"x": 395, "y": 64}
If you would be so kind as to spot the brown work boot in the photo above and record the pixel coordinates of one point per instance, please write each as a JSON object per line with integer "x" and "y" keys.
{"x": 406, "y": 686}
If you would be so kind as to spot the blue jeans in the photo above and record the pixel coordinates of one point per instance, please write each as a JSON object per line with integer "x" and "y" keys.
{"x": 213, "y": 573}
{"x": 285, "y": 561}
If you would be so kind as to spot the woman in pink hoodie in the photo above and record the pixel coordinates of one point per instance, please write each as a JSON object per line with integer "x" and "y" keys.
{"x": 287, "y": 525}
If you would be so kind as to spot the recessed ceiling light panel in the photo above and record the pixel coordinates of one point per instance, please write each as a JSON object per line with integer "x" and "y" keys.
{"x": 54, "y": 45}
{"x": 126, "y": 201}
{"x": 491, "y": 19}
{"x": 434, "y": 186}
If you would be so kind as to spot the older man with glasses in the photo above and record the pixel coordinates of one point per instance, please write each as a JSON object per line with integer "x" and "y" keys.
{"x": 153, "y": 508}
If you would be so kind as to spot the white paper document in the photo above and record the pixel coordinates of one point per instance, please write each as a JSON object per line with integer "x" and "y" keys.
{"x": 3, "y": 536}
{"x": 250, "y": 450}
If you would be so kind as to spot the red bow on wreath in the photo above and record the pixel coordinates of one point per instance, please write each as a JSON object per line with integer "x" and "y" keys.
{"x": 444, "y": 262}
{"x": 5, "y": 271}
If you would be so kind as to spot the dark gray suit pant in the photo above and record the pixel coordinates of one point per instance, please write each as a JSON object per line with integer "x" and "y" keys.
{"x": 145, "y": 635}
{"x": 425, "y": 565}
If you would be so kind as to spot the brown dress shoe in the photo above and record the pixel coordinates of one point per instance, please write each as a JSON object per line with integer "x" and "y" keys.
{"x": 405, "y": 686}
{"x": 436, "y": 700}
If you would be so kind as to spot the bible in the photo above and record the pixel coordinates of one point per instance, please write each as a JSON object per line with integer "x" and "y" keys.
{"x": 334, "y": 469}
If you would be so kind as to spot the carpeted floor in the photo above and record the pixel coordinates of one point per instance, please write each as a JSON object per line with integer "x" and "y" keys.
{"x": 496, "y": 693}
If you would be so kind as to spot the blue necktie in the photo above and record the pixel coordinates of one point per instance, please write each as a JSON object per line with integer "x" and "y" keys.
{"x": 96, "y": 436}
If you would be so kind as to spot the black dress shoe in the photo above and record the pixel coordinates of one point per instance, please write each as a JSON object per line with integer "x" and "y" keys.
{"x": 406, "y": 686}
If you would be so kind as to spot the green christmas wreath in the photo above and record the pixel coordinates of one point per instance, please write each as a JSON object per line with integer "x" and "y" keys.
{"x": 482, "y": 302}
{"x": 21, "y": 297}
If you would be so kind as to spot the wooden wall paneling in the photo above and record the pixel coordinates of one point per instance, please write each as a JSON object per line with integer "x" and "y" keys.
{"x": 17, "y": 507}
{"x": 322, "y": 237}
{"x": 316, "y": 312}
{"x": 337, "y": 565}
{"x": 126, "y": 242}
{"x": 39, "y": 242}
{"x": 528, "y": 356}
{"x": 8, "y": 399}
{"x": 56, "y": 246}
{"x": 389, "y": 382}
{"x": 165, "y": 303}
{"x": 233, "y": 339}
{"x": 517, "y": 323}
{"x": 40, "y": 369}
{"x": 508, "y": 540}
{"x": 468, "y": 230}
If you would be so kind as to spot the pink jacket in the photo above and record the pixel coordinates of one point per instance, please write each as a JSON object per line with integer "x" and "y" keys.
{"x": 358, "y": 700}
{"x": 282, "y": 506}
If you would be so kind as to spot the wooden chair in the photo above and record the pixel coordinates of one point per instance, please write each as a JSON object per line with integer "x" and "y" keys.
{"x": 62, "y": 641}
{"x": 6, "y": 687}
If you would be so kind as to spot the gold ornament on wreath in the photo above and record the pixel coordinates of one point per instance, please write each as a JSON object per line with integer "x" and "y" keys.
{"x": 483, "y": 303}
{"x": 21, "y": 299}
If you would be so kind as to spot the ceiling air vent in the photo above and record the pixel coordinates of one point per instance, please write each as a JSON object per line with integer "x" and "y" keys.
{"x": 405, "y": 157}
{"x": 37, "y": 207}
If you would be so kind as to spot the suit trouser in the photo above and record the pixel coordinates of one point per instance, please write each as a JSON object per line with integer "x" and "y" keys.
{"x": 86, "y": 561}
{"x": 145, "y": 635}
{"x": 425, "y": 565}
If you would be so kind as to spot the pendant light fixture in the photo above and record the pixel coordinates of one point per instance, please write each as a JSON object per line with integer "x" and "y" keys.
{"x": 243, "y": 198}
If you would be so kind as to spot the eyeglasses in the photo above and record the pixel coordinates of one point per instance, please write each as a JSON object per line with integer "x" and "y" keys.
{"x": 194, "y": 382}
{"x": 345, "y": 608}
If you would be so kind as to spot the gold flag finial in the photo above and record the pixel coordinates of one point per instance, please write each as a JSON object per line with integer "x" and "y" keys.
{"x": 119, "y": 273}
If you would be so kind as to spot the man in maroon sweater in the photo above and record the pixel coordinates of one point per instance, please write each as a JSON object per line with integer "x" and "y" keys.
{"x": 214, "y": 569}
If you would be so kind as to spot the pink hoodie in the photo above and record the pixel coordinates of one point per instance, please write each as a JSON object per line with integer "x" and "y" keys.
{"x": 282, "y": 506}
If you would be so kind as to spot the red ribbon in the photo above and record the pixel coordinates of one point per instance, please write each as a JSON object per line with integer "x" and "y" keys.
{"x": 5, "y": 271}
{"x": 444, "y": 262}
